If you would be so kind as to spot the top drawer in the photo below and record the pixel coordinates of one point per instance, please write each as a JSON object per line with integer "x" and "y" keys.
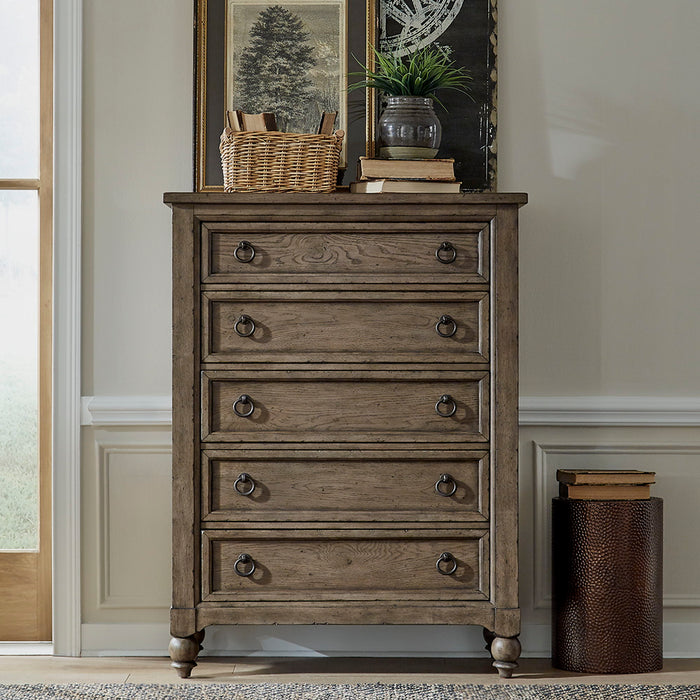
{"x": 374, "y": 253}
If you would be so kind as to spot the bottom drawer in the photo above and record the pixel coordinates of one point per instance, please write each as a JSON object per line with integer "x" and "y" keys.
{"x": 280, "y": 565}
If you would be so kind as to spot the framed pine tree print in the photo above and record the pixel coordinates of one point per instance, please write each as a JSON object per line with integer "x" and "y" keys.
{"x": 290, "y": 58}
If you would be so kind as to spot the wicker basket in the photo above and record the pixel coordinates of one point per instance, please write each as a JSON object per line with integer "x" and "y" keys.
{"x": 275, "y": 161}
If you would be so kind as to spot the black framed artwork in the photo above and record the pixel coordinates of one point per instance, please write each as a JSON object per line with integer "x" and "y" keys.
{"x": 467, "y": 29}
{"x": 305, "y": 49}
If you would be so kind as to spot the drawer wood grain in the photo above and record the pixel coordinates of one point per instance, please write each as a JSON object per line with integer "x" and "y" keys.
{"x": 345, "y": 326}
{"x": 364, "y": 252}
{"x": 313, "y": 485}
{"x": 356, "y": 565}
{"x": 345, "y": 406}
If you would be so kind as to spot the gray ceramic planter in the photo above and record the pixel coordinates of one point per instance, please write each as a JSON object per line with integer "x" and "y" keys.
{"x": 408, "y": 128}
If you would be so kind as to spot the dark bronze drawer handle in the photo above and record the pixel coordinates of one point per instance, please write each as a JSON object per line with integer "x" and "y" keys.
{"x": 247, "y": 561}
{"x": 243, "y": 400}
{"x": 446, "y": 247}
{"x": 246, "y": 321}
{"x": 246, "y": 479}
{"x": 244, "y": 246}
{"x": 450, "y": 326}
{"x": 446, "y": 558}
{"x": 444, "y": 400}
{"x": 445, "y": 479}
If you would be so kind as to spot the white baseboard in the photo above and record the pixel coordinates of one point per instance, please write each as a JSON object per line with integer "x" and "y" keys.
{"x": 680, "y": 641}
{"x": 26, "y": 649}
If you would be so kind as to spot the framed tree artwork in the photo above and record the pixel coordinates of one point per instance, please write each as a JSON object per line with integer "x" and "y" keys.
{"x": 290, "y": 58}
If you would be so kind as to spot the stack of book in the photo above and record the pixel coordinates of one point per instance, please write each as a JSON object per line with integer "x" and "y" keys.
{"x": 602, "y": 485}
{"x": 435, "y": 176}
{"x": 237, "y": 120}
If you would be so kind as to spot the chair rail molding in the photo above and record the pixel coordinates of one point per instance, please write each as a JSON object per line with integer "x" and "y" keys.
{"x": 610, "y": 410}
{"x": 68, "y": 32}
{"x": 126, "y": 410}
{"x": 534, "y": 410}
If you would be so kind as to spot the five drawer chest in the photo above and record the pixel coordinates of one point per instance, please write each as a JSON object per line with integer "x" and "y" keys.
{"x": 345, "y": 413}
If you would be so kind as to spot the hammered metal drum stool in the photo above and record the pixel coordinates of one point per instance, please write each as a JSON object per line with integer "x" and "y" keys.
{"x": 606, "y": 585}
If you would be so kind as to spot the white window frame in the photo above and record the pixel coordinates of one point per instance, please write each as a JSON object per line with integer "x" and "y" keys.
{"x": 68, "y": 20}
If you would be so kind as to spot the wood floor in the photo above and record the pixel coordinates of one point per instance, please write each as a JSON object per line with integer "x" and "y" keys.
{"x": 47, "y": 669}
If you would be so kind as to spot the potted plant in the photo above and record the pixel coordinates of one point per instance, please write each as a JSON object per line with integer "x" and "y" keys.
{"x": 408, "y": 126}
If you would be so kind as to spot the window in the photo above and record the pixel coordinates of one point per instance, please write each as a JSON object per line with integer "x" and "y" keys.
{"x": 26, "y": 157}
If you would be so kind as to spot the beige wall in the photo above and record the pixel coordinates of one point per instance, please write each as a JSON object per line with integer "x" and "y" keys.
{"x": 598, "y": 114}
{"x": 598, "y": 117}
{"x": 137, "y": 144}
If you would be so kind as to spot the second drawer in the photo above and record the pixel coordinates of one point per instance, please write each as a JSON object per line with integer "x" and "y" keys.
{"x": 345, "y": 326}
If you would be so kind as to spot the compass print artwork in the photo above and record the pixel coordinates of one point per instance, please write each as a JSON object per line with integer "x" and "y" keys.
{"x": 415, "y": 23}
{"x": 466, "y": 29}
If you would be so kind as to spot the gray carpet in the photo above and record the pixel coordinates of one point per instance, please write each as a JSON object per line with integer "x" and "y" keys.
{"x": 367, "y": 691}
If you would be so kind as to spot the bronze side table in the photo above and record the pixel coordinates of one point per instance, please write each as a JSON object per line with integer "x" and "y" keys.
{"x": 607, "y": 585}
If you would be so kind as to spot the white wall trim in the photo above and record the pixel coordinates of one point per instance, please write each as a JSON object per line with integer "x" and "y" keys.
{"x": 126, "y": 410}
{"x": 26, "y": 648}
{"x": 543, "y": 476}
{"x": 681, "y": 641}
{"x": 610, "y": 410}
{"x": 534, "y": 410}
{"x": 68, "y": 20}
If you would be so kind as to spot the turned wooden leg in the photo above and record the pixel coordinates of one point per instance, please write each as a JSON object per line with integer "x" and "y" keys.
{"x": 183, "y": 652}
{"x": 505, "y": 652}
{"x": 489, "y": 636}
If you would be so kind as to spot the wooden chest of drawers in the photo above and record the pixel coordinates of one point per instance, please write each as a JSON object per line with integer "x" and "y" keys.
{"x": 345, "y": 413}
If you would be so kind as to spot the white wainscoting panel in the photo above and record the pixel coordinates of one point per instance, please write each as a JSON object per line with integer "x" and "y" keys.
{"x": 678, "y": 476}
{"x": 126, "y": 531}
{"x": 134, "y": 513}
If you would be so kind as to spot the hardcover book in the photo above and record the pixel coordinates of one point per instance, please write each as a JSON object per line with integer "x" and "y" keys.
{"x": 415, "y": 186}
{"x": 605, "y": 476}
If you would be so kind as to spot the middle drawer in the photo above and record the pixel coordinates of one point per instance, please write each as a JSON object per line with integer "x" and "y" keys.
{"x": 426, "y": 406}
{"x": 345, "y": 326}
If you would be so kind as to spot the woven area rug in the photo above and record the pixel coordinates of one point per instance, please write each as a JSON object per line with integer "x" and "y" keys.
{"x": 367, "y": 691}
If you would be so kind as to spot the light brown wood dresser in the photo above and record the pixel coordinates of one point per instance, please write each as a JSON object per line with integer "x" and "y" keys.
{"x": 345, "y": 413}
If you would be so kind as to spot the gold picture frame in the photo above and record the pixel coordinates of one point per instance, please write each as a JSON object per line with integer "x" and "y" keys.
{"x": 210, "y": 99}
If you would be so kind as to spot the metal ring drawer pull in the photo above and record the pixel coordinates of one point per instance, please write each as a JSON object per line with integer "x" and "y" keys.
{"x": 243, "y": 399}
{"x": 246, "y": 321}
{"x": 246, "y": 479}
{"x": 450, "y": 323}
{"x": 446, "y": 247}
{"x": 244, "y": 246}
{"x": 445, "y": 400}
{"x": 247, "y": 560}
{"x": 445, "y": 479}
{"x": 446, "y": 557}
